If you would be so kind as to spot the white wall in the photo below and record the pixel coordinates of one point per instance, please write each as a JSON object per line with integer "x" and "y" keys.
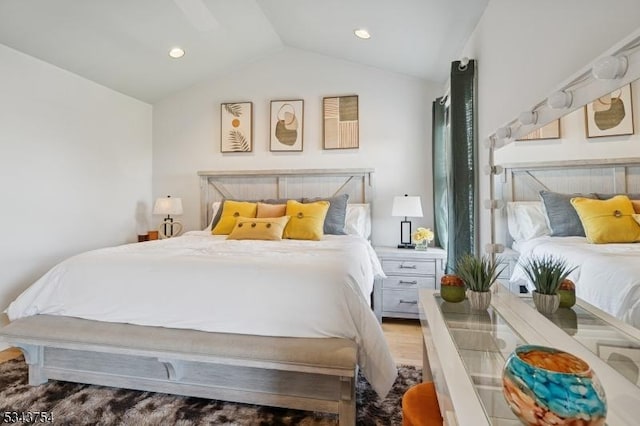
{"x": 395, "y": 130}
{"x": 75, "y": 162}
{"x": 524, "y": 51}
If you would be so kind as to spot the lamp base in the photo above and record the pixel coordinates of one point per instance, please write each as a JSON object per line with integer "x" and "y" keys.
{"x": 406, "y": 246}
{"x": 170, "y": 228}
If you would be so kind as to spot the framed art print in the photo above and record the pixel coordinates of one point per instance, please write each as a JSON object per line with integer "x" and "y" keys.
{"x": 340, "y": 122}
{"x": 287, "y": 120}
{"x": 236, "y": 127}
{"x": 610, "y": 115}
{"x": 550, "y": 131}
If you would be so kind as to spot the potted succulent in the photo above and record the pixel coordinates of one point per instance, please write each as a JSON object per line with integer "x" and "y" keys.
{"x": 478, "y": 275}
{"x": 546, "y": 273}
{"x": 452, "y": 288}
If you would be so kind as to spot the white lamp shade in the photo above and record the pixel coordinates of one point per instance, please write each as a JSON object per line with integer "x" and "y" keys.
{"x": 406, "y": 206}
{"x": 168, "y": 206}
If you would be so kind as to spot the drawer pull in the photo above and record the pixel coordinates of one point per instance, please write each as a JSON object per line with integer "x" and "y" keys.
{"x": 414, "y": 282}
{"x": 403, "y": 266}
{"x": 409, "y": 302}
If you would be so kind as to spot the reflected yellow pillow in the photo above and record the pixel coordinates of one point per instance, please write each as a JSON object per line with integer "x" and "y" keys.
{"x": 307, "y": 220}
{"x": 259, "y": 228}
{"x": 231, "y": 211}
{"x": 608, "y": 221}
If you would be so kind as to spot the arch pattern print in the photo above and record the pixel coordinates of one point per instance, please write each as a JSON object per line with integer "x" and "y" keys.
{"x": 340, "y": 122}
{"x": 236, "y": 127}
{"x": 610, "y": 115}
{"x": 287, "y": 119}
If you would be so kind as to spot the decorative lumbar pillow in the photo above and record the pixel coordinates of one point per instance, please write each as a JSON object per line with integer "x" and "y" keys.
{"x": 608, "y": 221}
{"x": 271, "y": 210}
{"x": 307, "y": 220}
{"x": 561, "y": 216}
{"x": 335, "y": 220}
{"x": 259, "y": 228}
{"x": 231, "y": 211}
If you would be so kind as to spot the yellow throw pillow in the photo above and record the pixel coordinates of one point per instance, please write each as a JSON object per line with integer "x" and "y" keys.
{"x": 608, "y": 221}
{"x": 307, "y": 220}
{"x": 636, "y": 205}
{"x": 271, "y": 210}
{"x": 259, "y": 228}
{"x": 231, "y": 210}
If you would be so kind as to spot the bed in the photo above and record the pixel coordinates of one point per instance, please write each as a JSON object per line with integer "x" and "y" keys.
{"x": 285, "y": 323}
{"x": 538, "y": 220}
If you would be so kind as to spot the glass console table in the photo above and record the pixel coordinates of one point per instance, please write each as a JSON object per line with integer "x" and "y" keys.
{"x": 465, "y": 352}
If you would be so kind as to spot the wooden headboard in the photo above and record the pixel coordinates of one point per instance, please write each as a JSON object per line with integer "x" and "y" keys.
{"x": 287, "y": 183}
{"x": 524, "y": 181}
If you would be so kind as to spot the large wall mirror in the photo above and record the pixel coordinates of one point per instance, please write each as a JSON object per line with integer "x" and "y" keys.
{"x": 583, "y": 137}
{"x": 597, "y": 103}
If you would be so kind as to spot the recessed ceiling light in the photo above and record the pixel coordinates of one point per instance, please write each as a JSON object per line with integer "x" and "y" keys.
{"x": 362, "y": 33}
{"x": 176, "y": 53}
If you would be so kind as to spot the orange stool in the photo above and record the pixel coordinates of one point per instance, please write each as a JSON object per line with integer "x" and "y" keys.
{"x": 420, "y": 406}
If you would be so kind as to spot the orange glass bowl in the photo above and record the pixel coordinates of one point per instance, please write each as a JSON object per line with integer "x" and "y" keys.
{"x": 546, "y": 386}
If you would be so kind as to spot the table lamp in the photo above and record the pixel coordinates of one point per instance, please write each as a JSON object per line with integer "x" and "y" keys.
{"x": 169, "y": 206}
{"x": 408, "y": 207}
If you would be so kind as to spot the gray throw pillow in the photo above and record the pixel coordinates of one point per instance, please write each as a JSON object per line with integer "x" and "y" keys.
{"x": 336, "y": 215}
{"x": 563, "y": 218}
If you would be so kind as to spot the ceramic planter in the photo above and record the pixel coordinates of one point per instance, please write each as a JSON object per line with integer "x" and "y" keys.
{"x": 546, "y": 303}
{"x": 479, "y": 300}
{"x": 452, "y": 288}
{"x": 567, "y": 298}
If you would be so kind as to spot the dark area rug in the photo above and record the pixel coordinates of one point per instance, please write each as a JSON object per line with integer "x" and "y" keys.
{"x": 77, "y": 404}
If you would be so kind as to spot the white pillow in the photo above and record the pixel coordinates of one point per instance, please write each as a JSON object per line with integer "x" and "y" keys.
{"x": 526, "y": 220}
{"x": 215, "y": 206}
{"x": 358, "y": 220}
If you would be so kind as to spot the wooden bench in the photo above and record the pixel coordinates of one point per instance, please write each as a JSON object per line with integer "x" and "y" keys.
{"x": 314, "y": 374}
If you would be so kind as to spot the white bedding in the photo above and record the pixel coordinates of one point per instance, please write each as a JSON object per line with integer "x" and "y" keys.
{"x": 199, "y": 281}
{"x": 608, "y": 275}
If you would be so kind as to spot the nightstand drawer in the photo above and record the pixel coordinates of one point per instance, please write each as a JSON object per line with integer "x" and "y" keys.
{"x": 405, "y": 301}
{"x": 404, "y": 282}
{"x": 391, "y": 266}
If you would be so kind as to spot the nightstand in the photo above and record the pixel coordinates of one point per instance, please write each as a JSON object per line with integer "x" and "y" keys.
{"x": 407, "y": 270}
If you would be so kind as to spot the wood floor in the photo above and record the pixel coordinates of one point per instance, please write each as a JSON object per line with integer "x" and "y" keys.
{"x": 404, "y": 338}
{"x": 8, "y": 354}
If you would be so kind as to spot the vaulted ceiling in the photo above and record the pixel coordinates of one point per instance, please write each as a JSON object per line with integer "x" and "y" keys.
{"x": 124, "y": 44}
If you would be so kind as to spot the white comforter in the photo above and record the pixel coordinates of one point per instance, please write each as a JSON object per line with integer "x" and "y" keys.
{"x": 608, "y": 275}
{"x": 203, "y": 282}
